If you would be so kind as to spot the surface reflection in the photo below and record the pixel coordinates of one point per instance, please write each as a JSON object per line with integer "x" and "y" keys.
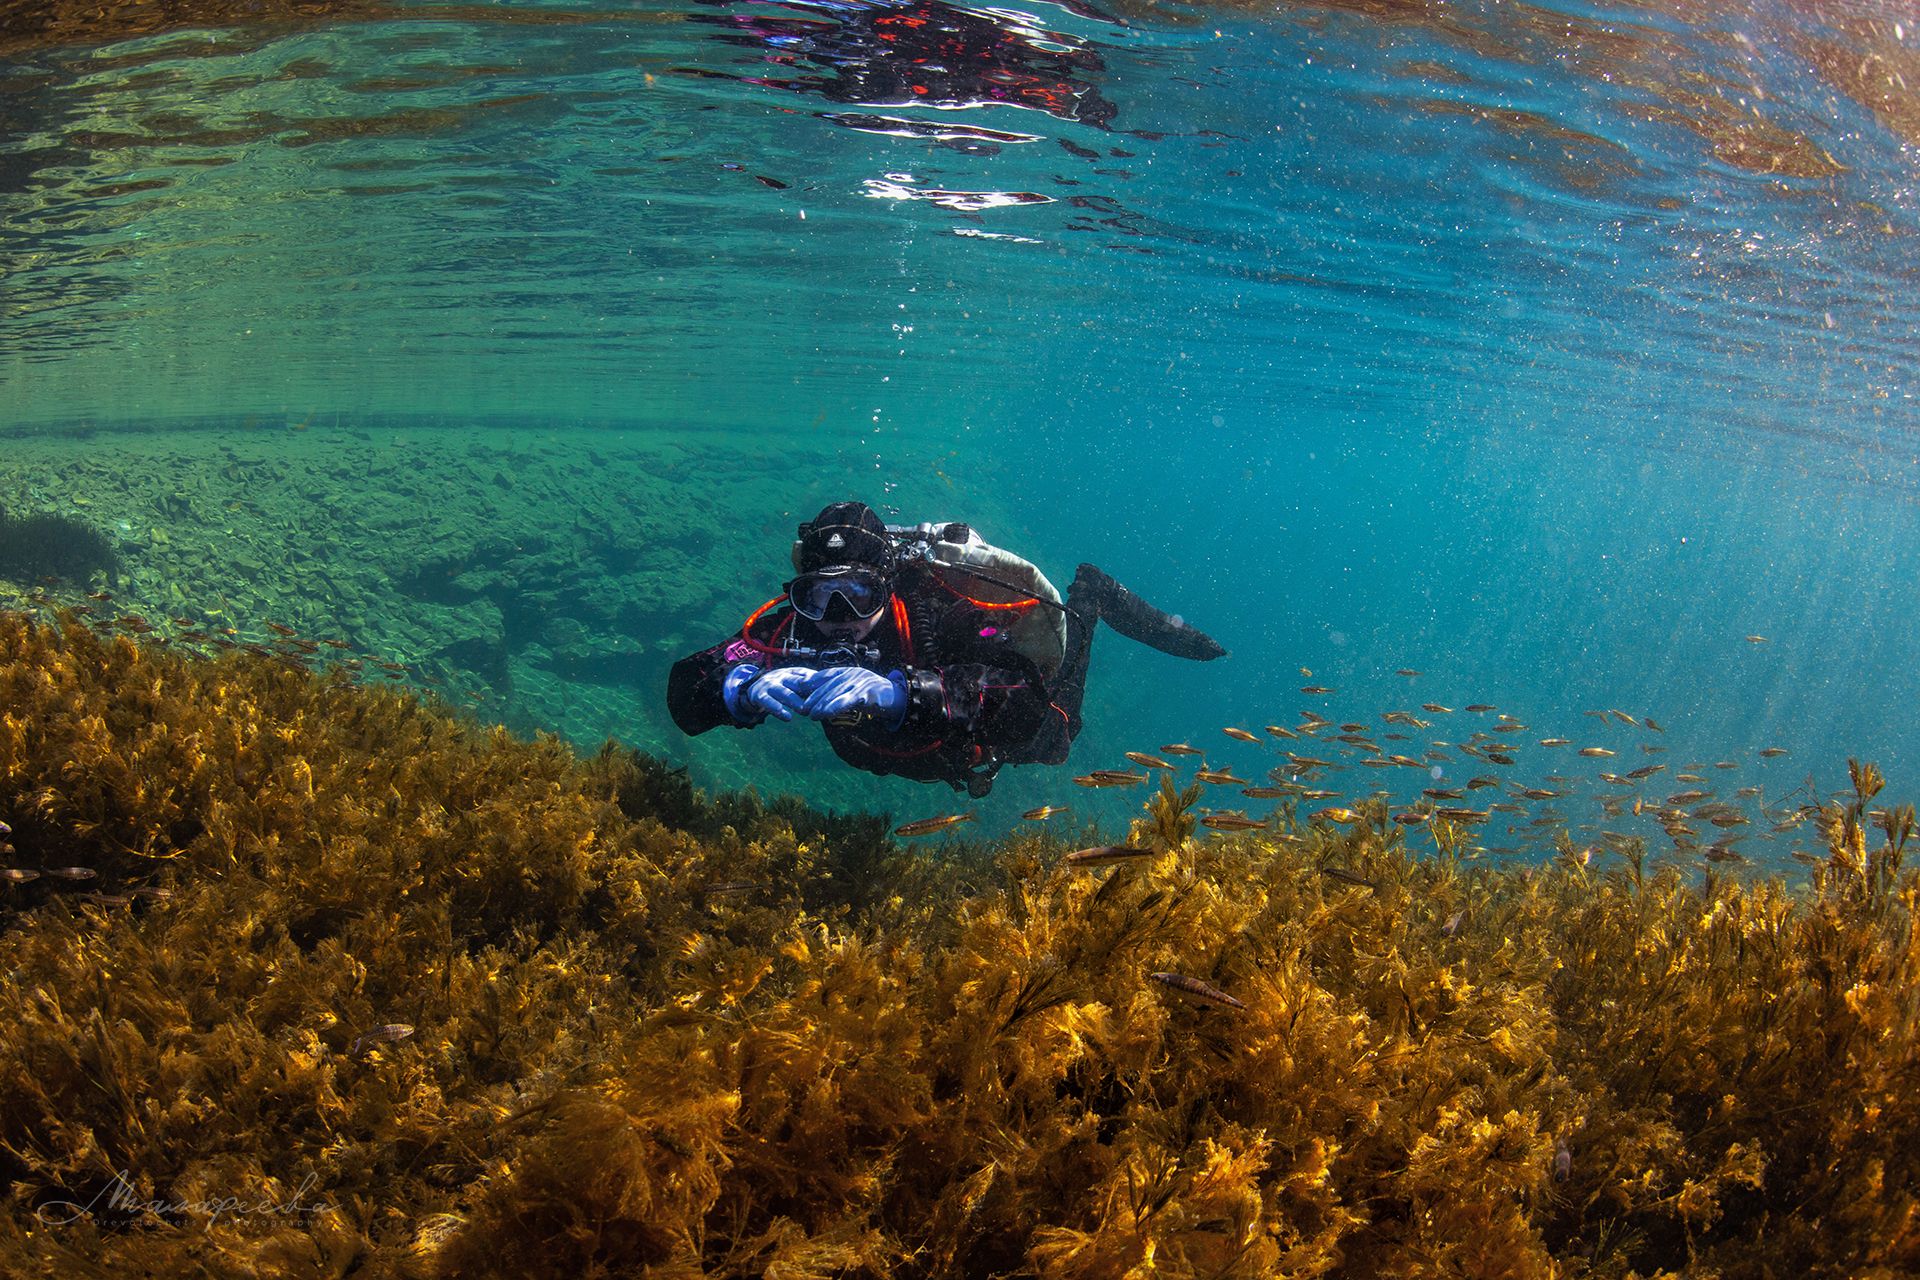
{"x": 923, "y": 53}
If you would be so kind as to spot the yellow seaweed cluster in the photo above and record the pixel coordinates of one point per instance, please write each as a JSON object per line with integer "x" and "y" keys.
{"x": 358, "y": 986}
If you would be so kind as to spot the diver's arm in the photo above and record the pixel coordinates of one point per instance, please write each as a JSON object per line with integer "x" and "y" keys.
{"x": 696, "y": 690}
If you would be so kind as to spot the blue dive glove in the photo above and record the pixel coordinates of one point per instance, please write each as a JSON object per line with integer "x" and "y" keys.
{"x": 840, "y": 690}
{"x": 751, "y": 693}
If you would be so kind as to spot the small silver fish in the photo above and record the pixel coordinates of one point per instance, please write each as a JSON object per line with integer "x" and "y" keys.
{"x": 1562, "y": 1160}
{"x": 1104, "y": 855}
{"x": 1348, "y": 877}
{"x": 925, "y": 826}
{"x": 381, "y": 1034}
{"x": 1109, "y": 778}
{"x": 18, "y": 875}
{"x": 73, "y": 873}
{"x": 1201, "y": 991}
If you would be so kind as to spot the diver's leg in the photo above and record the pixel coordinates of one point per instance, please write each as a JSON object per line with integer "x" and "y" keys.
{"x": 1135, "y": 619}
{"x": 1069, "y": 684}
{"x": 1094, "y": 597}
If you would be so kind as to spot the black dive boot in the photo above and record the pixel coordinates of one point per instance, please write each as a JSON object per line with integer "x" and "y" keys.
{"x": 1135, "y": 619}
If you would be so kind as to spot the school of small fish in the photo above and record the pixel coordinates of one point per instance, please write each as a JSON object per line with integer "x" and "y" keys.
{"x": 1505, "y": 819}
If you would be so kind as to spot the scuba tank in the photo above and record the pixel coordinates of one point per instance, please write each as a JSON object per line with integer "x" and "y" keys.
{"x": 1008, "y": 586}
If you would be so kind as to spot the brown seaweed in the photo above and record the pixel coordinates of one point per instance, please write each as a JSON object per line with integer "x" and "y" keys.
{"x": 592, "y": 1053}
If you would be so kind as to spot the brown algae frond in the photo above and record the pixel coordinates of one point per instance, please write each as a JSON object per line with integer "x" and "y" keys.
{"x": 357, "y": 985}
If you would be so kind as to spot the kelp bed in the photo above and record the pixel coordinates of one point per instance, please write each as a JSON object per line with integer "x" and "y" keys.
{"x": 358, "y": 987}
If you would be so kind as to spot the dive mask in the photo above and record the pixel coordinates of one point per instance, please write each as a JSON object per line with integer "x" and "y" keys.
{"x": 862, "y": 591}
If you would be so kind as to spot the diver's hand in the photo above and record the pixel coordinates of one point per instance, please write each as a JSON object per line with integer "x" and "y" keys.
{"x": 777, "y": 693}
{"x": 841, "y": 690}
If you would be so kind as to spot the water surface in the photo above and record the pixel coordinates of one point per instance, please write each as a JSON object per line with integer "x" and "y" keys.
{"x": 1551, "y": 351}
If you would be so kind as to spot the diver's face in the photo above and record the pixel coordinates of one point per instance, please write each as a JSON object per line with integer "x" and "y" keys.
{"x": 852, "y": 631}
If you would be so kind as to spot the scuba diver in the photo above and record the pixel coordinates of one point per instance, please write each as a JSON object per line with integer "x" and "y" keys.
{"x": 923, "y": 651}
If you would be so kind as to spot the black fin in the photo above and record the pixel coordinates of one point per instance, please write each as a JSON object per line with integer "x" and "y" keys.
{"x": 1093, "y": 591}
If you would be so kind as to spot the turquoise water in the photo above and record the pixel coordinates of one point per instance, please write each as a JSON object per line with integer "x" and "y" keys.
{"x": 1551, "y": 351}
